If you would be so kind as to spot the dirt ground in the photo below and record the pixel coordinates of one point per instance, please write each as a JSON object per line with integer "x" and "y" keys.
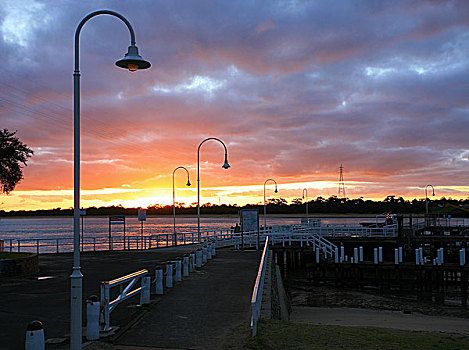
{"x": 303, "y": 294}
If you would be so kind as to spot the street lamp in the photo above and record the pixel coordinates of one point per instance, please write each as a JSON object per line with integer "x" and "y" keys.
{"x": 131, "y": 61}
{"x": 426, "y": 198}
{"x": 265, "y": 210}
{"x": 224, "y": 166}
{"x": 305, "y": 190}
{"x": 174, "y": 201}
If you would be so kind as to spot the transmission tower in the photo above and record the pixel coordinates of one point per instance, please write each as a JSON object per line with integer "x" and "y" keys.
{"x": 341, "y": 182}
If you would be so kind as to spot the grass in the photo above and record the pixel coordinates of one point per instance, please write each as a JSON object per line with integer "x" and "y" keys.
{"x": 274, "y": 334}
{"x": 8, "y": 255}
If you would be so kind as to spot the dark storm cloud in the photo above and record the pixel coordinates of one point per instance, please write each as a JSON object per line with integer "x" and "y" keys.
{"x": 295, "y": 87}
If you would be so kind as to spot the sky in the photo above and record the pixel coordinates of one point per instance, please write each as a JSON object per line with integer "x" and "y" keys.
{"x": 293, "y": 88}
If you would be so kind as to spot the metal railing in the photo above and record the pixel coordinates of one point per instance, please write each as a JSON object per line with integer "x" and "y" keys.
{"x": 101, "y": 243}
{"x": 256, "y": 300}
{"x": 126, "y": 292}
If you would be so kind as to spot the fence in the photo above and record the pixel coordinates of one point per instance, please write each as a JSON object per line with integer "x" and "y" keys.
{"x": 256, "y": 300}
{"x": 65, "y": 244}
{"x": 125, "y": 293}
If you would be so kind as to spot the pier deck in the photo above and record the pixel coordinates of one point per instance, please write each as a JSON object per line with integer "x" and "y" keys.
{"x": 208, "y": 301}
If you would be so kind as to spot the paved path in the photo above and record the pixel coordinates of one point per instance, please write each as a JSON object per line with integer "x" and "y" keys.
{"x": 374, "y": 318}
{"x": 46, "y": 297}
{"x": 201, "y": 309}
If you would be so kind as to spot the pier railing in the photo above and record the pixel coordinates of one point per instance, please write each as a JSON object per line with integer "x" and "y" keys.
{"x": 256, "y": 300}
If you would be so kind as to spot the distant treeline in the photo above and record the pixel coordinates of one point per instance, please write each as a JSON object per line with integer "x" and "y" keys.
{"x": 320, "y": 205}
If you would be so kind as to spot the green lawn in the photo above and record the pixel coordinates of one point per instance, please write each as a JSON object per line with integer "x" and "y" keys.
{"x": 8, "y": 255}
{"x": 274, "y": 334}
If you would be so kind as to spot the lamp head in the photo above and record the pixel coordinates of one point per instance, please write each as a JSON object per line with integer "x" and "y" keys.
{"x": 276, "y": 191}
{"x": 132, "y": 60}
{"x": 188, "y": 183}
{"x": 226, "y": 165}
{"x": 433, "y": 192}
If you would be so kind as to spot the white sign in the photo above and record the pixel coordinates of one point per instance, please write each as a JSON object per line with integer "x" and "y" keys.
{"x": 142, "y": 214}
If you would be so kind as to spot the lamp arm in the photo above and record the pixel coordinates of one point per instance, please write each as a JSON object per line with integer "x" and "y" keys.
{"x": 86, "y": 19}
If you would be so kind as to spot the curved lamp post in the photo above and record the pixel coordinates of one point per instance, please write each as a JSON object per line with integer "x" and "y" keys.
{"x": 131, "y": 61}
{"x": 224, "y": 166}
{"x": 265, "y": 210}
{"x": 174, "y": 201}
{"x": 305, "y": 190}
{"x": 426, "y": 198}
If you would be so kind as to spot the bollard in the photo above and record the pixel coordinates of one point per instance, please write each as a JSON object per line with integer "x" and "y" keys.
{"x": 380, "y": 254}
{"x": 159, "y": 280}
{"x": 204, "y": 255}
{"x": 375, "y": 253}
{"x": 192, "y": 262}
{"x": 209, "y": 251}
{"x": 361, "y": 253}
{"x": 462, "y": 257}
{"x": 169, "y": 275}
{"x": 34, "y": 336}
{"x": 198, "y": 261}
{"x": 145, "y": 294}
{"x": 396, "y": 256}
{"x": 400, "y": 254}
{"x": 421, "y": 255}
{"x": 355, "y": 255}
{"x": 417, "y": 257}
{"x": 442, "y": 260}
{"x": 92, "y": 318}
{"x": 336, "y": 255}
{"x": 342, "y": 253}
{"x": 185, "y": 270}
{"x": 317, "y": 255}
{"x": 214, "y": 245}
{"x": 178, "y": 265}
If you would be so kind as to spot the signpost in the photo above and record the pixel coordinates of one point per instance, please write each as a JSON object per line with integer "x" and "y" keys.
{"x": 118, "y": 219}
{"x": 142, "y": 216}
{"x": 249, "y": 223}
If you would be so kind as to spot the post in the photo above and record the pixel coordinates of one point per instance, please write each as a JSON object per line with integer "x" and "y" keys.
{"x": 380, "y": 254}
{"x": 145, "y": 294}
{"x": 317, "y": 255}
{"x": 92, "y": 318}
{"x": 336, "y": 255}
{"x": 375, "y": 254}
{"x": 400, "y": 254}
{"x": 355, "y": 255}
{"x": 159, "y": 280}
{"x": 178, "y": 270}
{"x": 34, "y": 336}
{"x": 185, "y": 271}
{"x": 396, "y": 256}
{"x": 462, "y": 257}
{"x": 169, "y": 275}
{"x": 417, "y": 257}
{"x": 342, "y": 253}
{"x": 361, "y": 253}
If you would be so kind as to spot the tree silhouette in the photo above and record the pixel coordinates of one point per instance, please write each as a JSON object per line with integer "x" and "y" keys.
{"x": 13, "y": 153}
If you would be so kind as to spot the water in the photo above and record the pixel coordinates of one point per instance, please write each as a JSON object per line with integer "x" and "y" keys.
{"x": 52, "y": 234}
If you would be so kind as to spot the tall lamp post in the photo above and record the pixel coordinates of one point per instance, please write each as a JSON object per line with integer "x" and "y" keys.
{"x": 265, "y": 209}
{"x": 305, "y": 196}
{"x": 426, "y": 198}
{"x": 174, "y": 201}
{"x": 131, "y": 61}
{"x": 224, "y": 166}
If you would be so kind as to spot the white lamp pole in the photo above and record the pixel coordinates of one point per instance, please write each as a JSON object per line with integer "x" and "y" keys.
{"x": 224, "y": 166}
{"x": 174, "y": 202}
{"x": 132, "y": 61}
{"x": 265, "y": 209}
{"x": 305, "y": 197}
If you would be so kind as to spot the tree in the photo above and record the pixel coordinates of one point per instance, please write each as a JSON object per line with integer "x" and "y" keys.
{"x": 13, "y": 153}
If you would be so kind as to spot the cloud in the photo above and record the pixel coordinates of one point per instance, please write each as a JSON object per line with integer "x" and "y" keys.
{"x": 293, "y": 88}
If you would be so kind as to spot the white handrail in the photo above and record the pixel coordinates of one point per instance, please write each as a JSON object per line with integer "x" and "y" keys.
{"x": 256, "y": 299}
{"x": 108, "y": 305}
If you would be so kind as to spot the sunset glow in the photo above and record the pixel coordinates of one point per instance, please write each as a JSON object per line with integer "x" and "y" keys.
{"x": 294, "y": 89}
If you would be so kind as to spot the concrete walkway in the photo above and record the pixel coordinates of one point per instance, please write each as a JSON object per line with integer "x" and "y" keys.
{"x": 378, "y": 318}
{"x": 216, "y": 297}
{"x": 198, "y": 312}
